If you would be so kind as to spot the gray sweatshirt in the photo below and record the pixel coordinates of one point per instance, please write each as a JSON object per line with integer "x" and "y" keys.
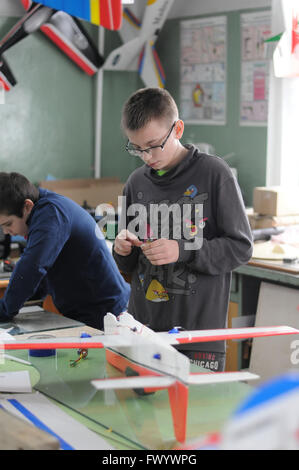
{"x": 207, "y": 217}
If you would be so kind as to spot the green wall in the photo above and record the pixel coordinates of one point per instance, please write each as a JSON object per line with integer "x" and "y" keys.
{"x": 247, "y": 143}
{"x": 47, "y": 122}
{"x": 118, "y": 86}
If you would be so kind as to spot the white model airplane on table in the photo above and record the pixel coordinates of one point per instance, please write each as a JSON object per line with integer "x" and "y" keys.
{"x": 139, "y": 53}
{"x": 149, "y": 359}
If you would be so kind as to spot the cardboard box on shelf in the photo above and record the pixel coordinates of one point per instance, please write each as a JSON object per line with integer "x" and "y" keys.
{"x": 276, "y": 200}
{"x": 89, "y": 191}
{"x": 258, "y": 221}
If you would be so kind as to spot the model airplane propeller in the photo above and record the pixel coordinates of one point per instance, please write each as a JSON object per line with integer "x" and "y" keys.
{"x": 149, "y": 359}
{"x": 139, "y": 53}
{"x": 57, "y": 19}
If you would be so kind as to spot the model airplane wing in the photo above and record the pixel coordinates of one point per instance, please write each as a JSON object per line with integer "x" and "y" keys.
{"x": 124, "y": 57}
{"x": 174, "y": 337}
{"x": 106, "y": 13}
{"x": 161, "y": 381}
{"x": 7, "y": 80}
{"x": 165, "y": 381}
{"x": 220, "y": 377}
{"x": 94, "y": 342}
{"x": 121, "y": 340}
{"x": 70, "y": 36}
{"x": 28, "y": 24}
{"x": 64, "y": 30}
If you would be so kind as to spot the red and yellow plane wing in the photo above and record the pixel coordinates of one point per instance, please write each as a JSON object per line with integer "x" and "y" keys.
{"x": 153, "y": 363}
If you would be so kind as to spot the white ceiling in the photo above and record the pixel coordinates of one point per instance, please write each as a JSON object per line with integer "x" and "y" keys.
{"x": 180, "y": 8}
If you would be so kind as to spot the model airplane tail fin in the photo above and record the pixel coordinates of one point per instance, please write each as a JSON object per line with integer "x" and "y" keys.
{"x": 135, "y": 55}
{"x": 70, "y": 36}
{"x": 150, "y": 67}
{"x": 124, "y": 57}
{"x": 131, "y": 25}
{"x": 7, "y": 80}
{"x": 178, "y": 398}
{"x": 205, "y": 378}
{"x": 106, "y": 13}
{"x": 154, "y": 382}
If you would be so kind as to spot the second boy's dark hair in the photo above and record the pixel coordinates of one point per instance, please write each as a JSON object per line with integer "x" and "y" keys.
{"x": 147, "y": 104}
{"x": 14, "y": 190}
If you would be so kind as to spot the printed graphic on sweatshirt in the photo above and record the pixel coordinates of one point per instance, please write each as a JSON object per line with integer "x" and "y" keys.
{"x": 156, "y": 292}
{"x": 161, "y": 283}
{"x": 182, "y": 219}
{"x": 191, "y": 191}
{"x": 178, "y": 220}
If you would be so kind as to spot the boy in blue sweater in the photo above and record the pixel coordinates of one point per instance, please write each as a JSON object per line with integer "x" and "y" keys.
{"x": 66, "y": 255}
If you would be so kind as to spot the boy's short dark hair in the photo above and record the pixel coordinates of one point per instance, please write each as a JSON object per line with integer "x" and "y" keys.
{"x": 147, "y": 104}
{"x": 14, "y": 190}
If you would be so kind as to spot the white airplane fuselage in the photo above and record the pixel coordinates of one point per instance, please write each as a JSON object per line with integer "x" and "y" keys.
{"x": 147, "y": 353}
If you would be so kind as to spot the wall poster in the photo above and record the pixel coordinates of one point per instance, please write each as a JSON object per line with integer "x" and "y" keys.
{"x": 255, "y": 28}
{"x": 203, "y": 71}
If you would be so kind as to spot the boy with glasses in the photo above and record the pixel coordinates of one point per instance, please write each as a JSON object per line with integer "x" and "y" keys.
{"x": 181, "y": 278}
{"x": 65, "y": 256}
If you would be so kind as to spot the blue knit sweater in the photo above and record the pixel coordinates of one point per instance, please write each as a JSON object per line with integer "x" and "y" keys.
{"x": 66, "y": 256}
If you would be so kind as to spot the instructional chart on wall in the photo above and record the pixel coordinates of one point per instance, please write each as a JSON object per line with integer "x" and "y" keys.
{"x": 255, "y": 28}
{"x": 203, "y": 71}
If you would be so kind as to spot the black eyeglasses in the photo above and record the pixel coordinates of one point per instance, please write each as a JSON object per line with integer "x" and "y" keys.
{"x": 136, "y": 152}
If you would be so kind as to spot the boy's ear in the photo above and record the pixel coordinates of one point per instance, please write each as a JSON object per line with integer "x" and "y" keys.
{"x": 179, "y": 129}
{"x": 28, "y": 205}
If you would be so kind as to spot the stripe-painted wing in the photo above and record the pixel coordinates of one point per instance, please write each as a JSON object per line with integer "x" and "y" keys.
{"x": 106, "y": 13}
{"x": 199, "y": 336}
{"x": 94, "y": 342}
{"x": 71, "y": 37}
{"x": 131, "y": 25}
{"x": 150, "y": 67}
{"x": 133, "y": 382}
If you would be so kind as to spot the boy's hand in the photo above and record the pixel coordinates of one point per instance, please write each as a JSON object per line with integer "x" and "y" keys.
{"x": 124, "y": 242}
{"x": 161, "y": 251}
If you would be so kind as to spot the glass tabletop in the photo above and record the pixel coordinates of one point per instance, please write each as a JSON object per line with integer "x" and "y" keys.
{"x": 142, "y": 422}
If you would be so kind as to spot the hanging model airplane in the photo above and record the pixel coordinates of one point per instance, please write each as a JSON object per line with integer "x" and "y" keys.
{"x": 58, "y": 21}
{"x": 139, "y": 53}
{"x": 286, "y": 53}
{"x": 106, "y": 13}
{"x": 149, "y": 359}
